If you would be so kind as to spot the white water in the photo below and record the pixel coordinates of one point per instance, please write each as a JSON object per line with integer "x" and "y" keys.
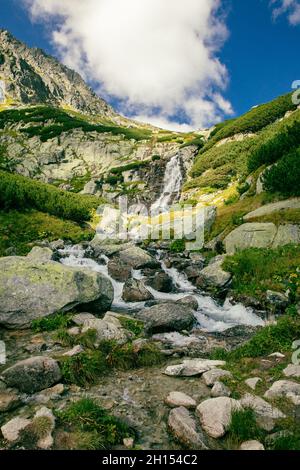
{"x": 172, "y": 185}
{"x": 210, "y": 316}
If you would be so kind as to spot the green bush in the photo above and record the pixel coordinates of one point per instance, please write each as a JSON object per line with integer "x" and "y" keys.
{"x": 243, "y": 426}
{"x": 130, "y": 166}
{"x": 177, "y": 246}
{"x": 19, "y": 192}
{"x": 284, "y": 177}
{"x": 51, "y": 323}
{"x": 155, "y": 158}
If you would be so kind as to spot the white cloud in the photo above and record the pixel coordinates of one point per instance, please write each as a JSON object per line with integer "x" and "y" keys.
{"x": 158, "y": 58}
{"x": 289, "y": 7}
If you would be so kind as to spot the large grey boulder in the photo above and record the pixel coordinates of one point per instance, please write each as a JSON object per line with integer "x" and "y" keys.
{"x": 274, "y": 207}
{"x": 255, "y": 235}
{"x": 34, "y": 287}
{"x": 286, "y": 389}
{"x": 107, "y": 329}
{"x": 265, "y": 414}
{"x": 215, "y": 415}
{"x": 137, "y": 258}
{"x": 166, "y": 317}
{"x": 135, "y": 291}
{"x": 184, "y": 429}
{"x": 214, "y": 276}
{"x": 287, "y": 234}
{"x": 33, "y": 374}
{"x": 177, "y": 399}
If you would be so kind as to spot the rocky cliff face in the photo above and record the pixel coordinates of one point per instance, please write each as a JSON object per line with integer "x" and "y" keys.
{"x": 33, "y": 77}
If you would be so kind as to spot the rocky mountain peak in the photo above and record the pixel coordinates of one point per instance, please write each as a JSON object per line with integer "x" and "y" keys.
{"x": 33, "y": 77}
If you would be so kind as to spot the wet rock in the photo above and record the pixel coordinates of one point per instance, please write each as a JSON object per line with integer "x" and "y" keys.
{"x": 119, "y": 271}
{"x": 167, "y": 317}
{"x": 212, "y": 376}
{"x": 9, "y": 400}
{"x": 252, "y": 445}
{"x": 177, "y": 399}
{"x": 57, "y": 245}
{"x": 189, "y": 301}
{"x": 184, "y": 429}
{"x": 161, "y": 282}
{"x": 266, "y": 415}
{"x": 292, "y": 370}
{"x": 215, "y": 415}
{"x": 12, "y": 429}
{"x": 284, "y": 388}
{"x": 32, "y": 288}
{"x": 135, "y": 291}
{"x": 137, "y": 258}
{"x": 33, "y": 374}
{"x": 183, "y": 344}
{"x": 277, "y": 301}
{"x": 252, "y": 382}
{"x": 192, "y": 367}
{"x": 220, "y": 390}
{"x": 214, "y": 276}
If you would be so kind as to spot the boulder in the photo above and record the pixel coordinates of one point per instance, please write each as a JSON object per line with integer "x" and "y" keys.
{"x": 252, "y": 445}
{"x": 177, "y": 399}
{"x": 266, "y": 414}
{"x": 33, "y": 374}
{"x": 107, "y": 329}
{"x": 167, "y": 317}
{"x": 287, "y": 234}
{"x": 215, "y": 415}
{"x": 31, "y": 289}
{"x": 45, "y": 442}
{"x": 137, "y": 258}
{"x": 184, "y": 429}
{"x": 161, "y": 282}
{"x": 250, "y": 235}
{"x": 214, "y": 276}
{"x": 9, "y": 400}
{"x": 276, "y": 300}
{"x": 286, "y": 389}
{"x": 220, "y": 390}
{"x": 39, "y": 254}
{"x": 12, "y": 429}
{"x": 214, "y": 375}
{"x": 135, "y": 291}
{"x": 252, "y": 382}
{"x": 192, "y": 367}
{"x": 292, "y": 370}
{"x": 267, "y": 209}
{"x": 189, "y": 301}
{"x": 119, "y": 271}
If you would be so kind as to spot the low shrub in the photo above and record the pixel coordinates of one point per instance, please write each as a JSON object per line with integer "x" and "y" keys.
{"x": 284, "y": 177}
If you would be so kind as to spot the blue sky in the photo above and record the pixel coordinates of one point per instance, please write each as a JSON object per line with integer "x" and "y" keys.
{"x": 260, "y": 55}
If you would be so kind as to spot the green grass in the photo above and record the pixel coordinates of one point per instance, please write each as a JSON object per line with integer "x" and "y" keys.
{"x": 86, "y": 368}
{"x": 134, "y": 326}
{"x": 19, "y": 229}
{"x": 243, "y": 426}
{"x": 257, "y": 270}
{"x": 52, "y": 122}
{"x": 52, "y": 323}
{"x": 19, "y": 192}
{"x": 95, "y": 428}
{"x": 285, "y": 176}
{"x": 177, "y": 246}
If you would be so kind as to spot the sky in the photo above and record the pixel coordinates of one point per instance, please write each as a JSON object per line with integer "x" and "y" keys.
{"x": 177, "y": 64}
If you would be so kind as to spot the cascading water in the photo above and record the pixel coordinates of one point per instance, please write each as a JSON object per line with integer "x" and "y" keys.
{"x": 211, "y": 317}
{"x": 172, "y": 185}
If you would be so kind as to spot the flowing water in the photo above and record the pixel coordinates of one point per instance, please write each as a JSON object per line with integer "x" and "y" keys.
{"x": 210, "y": 316}
{"x": 173, "y": 180}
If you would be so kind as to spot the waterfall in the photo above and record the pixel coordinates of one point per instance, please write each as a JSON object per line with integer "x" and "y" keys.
{"x": 172, "y": 185}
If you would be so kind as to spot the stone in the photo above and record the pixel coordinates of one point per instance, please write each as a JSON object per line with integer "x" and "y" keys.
{"x": 252, "y": 445}
{"x": 250, "y": 235}
{"x": 39, "y": 254}
{"x": 189, "y": 301}
{"x": 274, "y": 207}
{"x": 212, "y": 376}
{"x": 214, "y": 275}
{"x": 166, "y": 317}
{"x": 177, "y": 399}
{"x": 160, "y": 282}
{"x": 81, "y": 318}
{"x": 220, "y": 390}
{"x": 135, "y": 291}
{"x": 292, "y": 370}
{"x": 284, "y": 388}
{"x": 288, "y": 234}
{"x": 74, "y": 351}
{"x": 277, "y": 300}
{"x": 107, "y": 329}
{"x": 215, "y": 415}
{"x": 119, "y": 271}
{"x": 57, "y": 245}
{"x": 12, "y": 429}
{"x": 192, "y": 367}
{"x": 128, "y": 442}
{"x": 266, "y": 414}
{"x": 9, "y": 400}
{"x": 252, "y": 382}
{"x": 52, "y": 393}
{"x": 46, "y": 442}
{"x": 33, "y": 374}
{"x": 137, "y": 258}
{"x": 278, "y": 355}
{"x": 31, "y": 290}
{"x": 184, "y": 429}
